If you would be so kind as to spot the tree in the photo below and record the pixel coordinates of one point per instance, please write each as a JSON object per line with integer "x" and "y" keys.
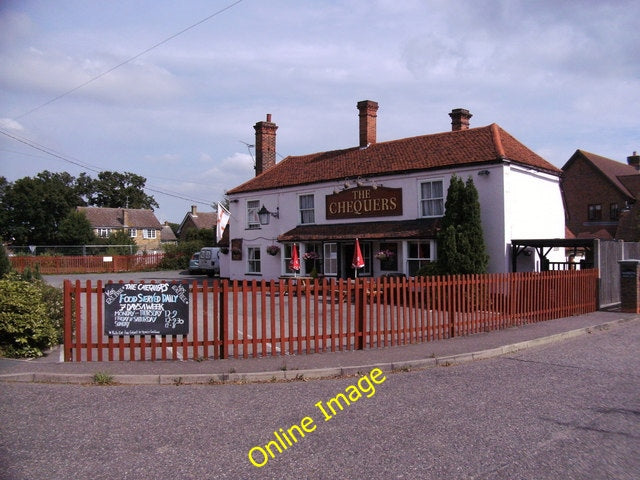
{"x": 75, "y": 229}
{"x": 34, "y": 207}
{"x": 461, "y": 247}
{"x": 120, "y": 190}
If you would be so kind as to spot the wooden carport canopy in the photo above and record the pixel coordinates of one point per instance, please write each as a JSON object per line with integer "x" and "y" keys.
{"x": 544, "y": 246}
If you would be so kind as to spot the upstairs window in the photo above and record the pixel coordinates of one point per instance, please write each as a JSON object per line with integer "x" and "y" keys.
{"x": 253, "y": 221}
{"x": 307, "y": 211}
{"x": 103, "y": 232}
{"x": 614, "y": 211}
{"x": 431, "y": 199}
{"x": 594, "y": 212}
{"x": 148, "y": 233}
{"x": 133, "y": 233}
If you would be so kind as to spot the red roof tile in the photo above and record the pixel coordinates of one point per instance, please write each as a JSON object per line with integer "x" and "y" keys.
{"x": 474, "y": 146}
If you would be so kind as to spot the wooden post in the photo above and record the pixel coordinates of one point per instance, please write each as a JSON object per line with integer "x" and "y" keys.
{"x": 68, "y": 327}
{"x": 222, "y": 320}
{"x": 360, "y": 302}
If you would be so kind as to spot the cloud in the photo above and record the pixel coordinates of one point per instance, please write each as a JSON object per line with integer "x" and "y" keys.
{"x": 10, "y": 124}
{"x": 50, "y": 73}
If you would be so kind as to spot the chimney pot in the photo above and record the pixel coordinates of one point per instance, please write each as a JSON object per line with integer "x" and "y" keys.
{"x": 460, "y": 119}
{"x": 368, "y": 115}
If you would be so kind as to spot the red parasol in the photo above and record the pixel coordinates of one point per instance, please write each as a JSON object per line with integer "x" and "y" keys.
{"x": 358, "y": 261}
{"x": 294, "y": 263}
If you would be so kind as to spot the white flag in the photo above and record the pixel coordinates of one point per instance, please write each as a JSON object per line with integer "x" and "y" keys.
{"x": 222, "y": 221}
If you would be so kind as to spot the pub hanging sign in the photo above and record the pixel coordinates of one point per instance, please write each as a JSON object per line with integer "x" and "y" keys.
{"x": 360, "y": 202}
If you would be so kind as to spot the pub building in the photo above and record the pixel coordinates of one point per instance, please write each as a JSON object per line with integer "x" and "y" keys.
{"x": 390, "y": 196}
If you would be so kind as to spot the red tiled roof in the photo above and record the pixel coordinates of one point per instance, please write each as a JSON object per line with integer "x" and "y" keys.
{"x": 474, "y": 146}
{"x": 114, "y": 217}
{"x": 621, "y": 175}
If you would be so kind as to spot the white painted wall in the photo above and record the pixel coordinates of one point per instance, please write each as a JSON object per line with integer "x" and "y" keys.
{"x": 515, "y": 203}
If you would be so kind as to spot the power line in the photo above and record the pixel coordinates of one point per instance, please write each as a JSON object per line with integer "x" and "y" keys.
{"x": 93, "y": 168}
{"x": 106, "y": 72}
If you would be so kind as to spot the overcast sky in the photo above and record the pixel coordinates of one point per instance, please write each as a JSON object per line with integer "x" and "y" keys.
{"x": 558, "y": 75}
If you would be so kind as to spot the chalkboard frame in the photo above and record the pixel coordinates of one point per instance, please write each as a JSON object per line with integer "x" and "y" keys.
{"x": 146, "y": 309}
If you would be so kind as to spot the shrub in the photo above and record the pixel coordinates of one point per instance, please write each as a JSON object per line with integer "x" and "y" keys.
{"x": 5, "y": 264}
{"x": 30, "y": 316}
{"x": 177, "y": 256}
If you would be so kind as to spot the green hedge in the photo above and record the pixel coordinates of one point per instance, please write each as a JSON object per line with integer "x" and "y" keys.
{"x": 31, "y": 314}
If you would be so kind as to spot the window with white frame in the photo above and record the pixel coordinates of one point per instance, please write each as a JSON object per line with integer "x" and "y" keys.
{"x": 253, "y": 257}
{"x": 133, "y": 233}
{"x": 253, "y": 221}
{"x": 431, "y": 198}
{"x": 330, "y": 260}
{"x": 149, "y": 233}
{"x": 421, "y": 253}
{"x": 307, "y": 211}
{"x": 103, "y": 232}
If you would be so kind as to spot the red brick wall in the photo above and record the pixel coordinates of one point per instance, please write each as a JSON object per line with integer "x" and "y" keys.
{"x": 583, "y": 185}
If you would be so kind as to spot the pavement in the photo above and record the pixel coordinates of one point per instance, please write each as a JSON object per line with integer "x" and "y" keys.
{"x": 318, "y": 365}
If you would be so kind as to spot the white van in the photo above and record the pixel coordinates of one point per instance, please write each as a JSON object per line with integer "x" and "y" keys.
{"x": 210, "y": 261}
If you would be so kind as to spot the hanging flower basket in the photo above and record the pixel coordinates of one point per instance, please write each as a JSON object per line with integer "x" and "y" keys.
{"x": 273, "y": 250}
{"x": 383, "y": 255}
{"x": 310, "y": 256}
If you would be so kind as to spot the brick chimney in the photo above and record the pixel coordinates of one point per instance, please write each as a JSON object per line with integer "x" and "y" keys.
{"x": 194, "y": 210}
{"x": 368, "y": 114}
{"x": 634, "y": 160}
{"x": 125, "y": 218}
{"x": 460, "y": 119}
{"x": 265, "y": 145}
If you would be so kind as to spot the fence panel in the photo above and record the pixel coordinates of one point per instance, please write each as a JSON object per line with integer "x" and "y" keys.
{"x": 53, "y": 265}
{"x": 256, "y": 319}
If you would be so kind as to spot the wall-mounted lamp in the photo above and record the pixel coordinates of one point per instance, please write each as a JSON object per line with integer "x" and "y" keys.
{"x": 264, "y": 214}
{"x": 484, "y": 173}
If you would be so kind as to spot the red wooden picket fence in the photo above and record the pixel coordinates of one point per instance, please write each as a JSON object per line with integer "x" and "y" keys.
{"x": 47, "y": 264}
{"x": 231, "y": 319}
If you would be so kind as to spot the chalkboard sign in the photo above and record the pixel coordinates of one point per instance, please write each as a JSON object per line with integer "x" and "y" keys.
{"x": 146, "y": 309}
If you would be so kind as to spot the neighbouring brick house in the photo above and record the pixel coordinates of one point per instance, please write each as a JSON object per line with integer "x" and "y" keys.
{"x": 196, "y": 220}
{"x": 600, "y": 196}
{"x": 140, "y": 224}
{"x": 390, "y": 196}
